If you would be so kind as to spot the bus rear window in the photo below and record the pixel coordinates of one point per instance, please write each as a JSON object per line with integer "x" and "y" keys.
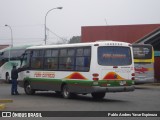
{"x": 142, "y": 52}
{"x": 114, "y": 56}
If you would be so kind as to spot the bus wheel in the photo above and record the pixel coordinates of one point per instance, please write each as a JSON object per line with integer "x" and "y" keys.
{"x": 28, "y": 90}
{"x": 98, "y": 96}
{"x": 7, "y": 78}
{"x": 65, "y": 93}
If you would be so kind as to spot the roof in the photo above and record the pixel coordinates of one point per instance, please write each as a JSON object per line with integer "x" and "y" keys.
{"x": 3, "y": 46}
{"x": 125, "y": 33}
{"x": 152, "y": 38}
{"x": 15, "y": 48}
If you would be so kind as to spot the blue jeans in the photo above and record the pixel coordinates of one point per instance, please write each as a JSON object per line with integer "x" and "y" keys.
{"x": 14, "y": 87}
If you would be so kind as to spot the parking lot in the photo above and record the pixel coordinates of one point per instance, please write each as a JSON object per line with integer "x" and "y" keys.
{"x": 144, "y": 98}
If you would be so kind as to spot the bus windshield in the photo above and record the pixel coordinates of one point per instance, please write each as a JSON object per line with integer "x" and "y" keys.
{"x": 114, "y": 56}
{"x": 142, "y": 52}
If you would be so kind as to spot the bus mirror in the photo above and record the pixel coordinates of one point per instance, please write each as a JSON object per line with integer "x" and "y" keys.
{"x": 1, "y": 53}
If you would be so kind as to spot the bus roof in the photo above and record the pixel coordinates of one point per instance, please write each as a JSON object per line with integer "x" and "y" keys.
{"x": 102, "y": 42}
{"x": 15, "y": 48}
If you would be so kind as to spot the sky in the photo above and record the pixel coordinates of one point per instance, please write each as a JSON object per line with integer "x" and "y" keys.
{"x": 27, "y": 18}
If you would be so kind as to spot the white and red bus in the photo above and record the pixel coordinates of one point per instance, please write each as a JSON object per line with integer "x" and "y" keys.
{"x": 70, "y": 69}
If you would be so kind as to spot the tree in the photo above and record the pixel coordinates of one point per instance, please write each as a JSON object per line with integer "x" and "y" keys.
{"x": 75, "y": 39}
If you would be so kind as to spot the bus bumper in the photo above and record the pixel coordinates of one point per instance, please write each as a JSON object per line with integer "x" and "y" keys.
{"x": 113, "y": 89}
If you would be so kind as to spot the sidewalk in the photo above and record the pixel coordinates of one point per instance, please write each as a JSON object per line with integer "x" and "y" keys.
{"x": 2, "y": 81}
{"x": 3, "y": 106}
{"x": 3, "y": 101}
{"x": 148, "y": 85}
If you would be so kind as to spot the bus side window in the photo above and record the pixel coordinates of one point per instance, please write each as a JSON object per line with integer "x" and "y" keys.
{"x": 66, "y": 59}
{"x": 51, "y": 59}
{"x": 38, "y": 63}
{"x": 50, "y": 63}
{"x": 25, "y": 60}
{"x": 83, "y": 59}
{"x": 86, "y": 61}
{"x": 37, "y": 59}
{"x": 70, "y": 63}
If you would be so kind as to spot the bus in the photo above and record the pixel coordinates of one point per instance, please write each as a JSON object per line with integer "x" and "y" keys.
{"x": 9, "y": 57}
{"x": 82, "y": 68}
{"x": 144, "y": 63}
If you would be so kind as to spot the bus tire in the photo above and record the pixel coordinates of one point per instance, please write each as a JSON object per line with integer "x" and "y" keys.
{"x": 28, "y": 90}
{"x": 7, "y": 78}
{"x": 65, "y": 93}
{"x": 98, "y": 96}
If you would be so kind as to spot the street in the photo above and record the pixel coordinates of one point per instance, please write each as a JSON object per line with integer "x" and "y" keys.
{"x": 142, "y": 99}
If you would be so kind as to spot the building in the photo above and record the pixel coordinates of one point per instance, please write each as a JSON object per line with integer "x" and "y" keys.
{"x": 143, "y": 33}
{"x": 154, "y": 39}
{"x": 3, "y": 46}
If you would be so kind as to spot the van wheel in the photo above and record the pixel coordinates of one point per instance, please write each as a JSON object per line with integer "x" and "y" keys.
{"x": 98, "y": 96}
{"x": 28, "y": 90}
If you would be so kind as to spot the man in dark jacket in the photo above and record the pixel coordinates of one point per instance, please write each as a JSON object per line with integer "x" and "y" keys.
{"x": 14, "y": 76}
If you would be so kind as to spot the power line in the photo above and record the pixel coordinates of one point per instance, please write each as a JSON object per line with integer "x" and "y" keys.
{"x": 56, "y": 35}
{"x": 33, "y": 39}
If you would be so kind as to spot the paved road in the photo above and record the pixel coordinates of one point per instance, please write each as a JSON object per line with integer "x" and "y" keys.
{"x": 142, "y": 99}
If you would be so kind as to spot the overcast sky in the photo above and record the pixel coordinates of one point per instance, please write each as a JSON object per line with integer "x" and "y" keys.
{"x": 26, "y": 17}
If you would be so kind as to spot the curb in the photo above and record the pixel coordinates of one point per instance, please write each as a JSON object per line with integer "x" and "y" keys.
{"x": 156, "y": 84}
{"x": 2, "y": 81}
{"x": 6, "y": 101}
{"x": 2, "y": 106}
{"x": 148, "y": 84}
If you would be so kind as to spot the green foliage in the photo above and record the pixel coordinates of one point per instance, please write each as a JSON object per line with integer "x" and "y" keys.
{"x": 75, "y": 39}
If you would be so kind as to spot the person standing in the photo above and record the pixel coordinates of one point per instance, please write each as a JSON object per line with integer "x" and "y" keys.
{"x": 14, "y": 77}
